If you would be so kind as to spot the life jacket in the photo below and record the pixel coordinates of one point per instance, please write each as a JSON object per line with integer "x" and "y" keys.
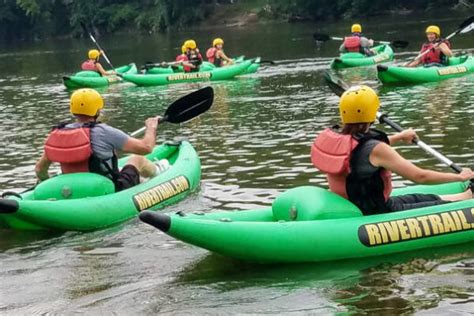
{"x": 333, "y": 154}
{"x": 89, "y": 65}
{"x": 211, "y": 54}
{"x": 71, "y": 147}
{"x": 352, "y": 43}
{"x": 181, "y": 57}
{"x": 195, "y": 59}
{"x": 434, "y": 56}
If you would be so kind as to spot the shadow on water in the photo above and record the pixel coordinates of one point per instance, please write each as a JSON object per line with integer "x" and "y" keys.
{"x": 401, "y": 283}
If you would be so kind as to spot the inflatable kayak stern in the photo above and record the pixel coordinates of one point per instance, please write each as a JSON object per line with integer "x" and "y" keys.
{"x": 160, "y": 221}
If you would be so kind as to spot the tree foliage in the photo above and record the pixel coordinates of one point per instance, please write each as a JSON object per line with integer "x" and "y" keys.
{"x": 30, "y": 19}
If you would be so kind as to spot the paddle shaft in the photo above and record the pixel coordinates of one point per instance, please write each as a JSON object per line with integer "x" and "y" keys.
{"x": 341, "y": 39}
{"x": 98, "y": 47}
{"x": 428, "y": 149}
{"x": 141, "y": 130}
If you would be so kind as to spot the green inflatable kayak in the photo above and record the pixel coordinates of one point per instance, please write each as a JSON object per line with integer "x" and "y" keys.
{"x": 206, "y": 66}
{"x": 457, "y": 67}
{"x": 383, "y": 54}
{"x": 87, "y": 201}
{"x": 92, "y": 79}
{"x": 310, "y": 224}
{"x": 222, "y": 73}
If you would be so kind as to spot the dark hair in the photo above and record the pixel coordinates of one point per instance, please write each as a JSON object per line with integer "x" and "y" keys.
{"x": 355, "y": 128}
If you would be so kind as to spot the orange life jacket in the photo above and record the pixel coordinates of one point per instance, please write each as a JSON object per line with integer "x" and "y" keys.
{"x": 352, "y": 43}
{"x": 434, "y": 56}
{"x": 71, "y": 147}
{"x": 332, "y": 153}
{"x": 89, "y": 65}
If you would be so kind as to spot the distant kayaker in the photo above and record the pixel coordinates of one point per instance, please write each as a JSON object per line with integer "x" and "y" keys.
{"x": 193, "y": 59}
{"x": 358, "y": 160}
{"x": 356, "y": 42}
{"x": 90, "y": 146}
{"x": 216, "y": 55}
{"x": 439, "y": 49}
{"x": 182, "y": 56}
{"x": 92, "y": 63}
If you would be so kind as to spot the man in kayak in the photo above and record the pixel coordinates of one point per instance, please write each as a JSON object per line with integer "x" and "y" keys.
{"x": 193, "y": 59}
{"x": 92, "y": 63}
{"x": 438, "y": 49}
{"x": 216, "y": 55}
{"x": 90, "y": 146}
{"x": 358, "y": 160}
{"x": 356, "y": 42}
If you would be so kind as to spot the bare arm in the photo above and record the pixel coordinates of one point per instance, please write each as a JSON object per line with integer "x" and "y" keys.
{"x": 222, "y": 55}
{"x": 407, "y": 136}
{"x": 101, "y": 69}
{"x": 147, "y": 143}
{"x": 445, "y": 50}
{"x": 41, "y": 168}
{"x": 385, "y": 156}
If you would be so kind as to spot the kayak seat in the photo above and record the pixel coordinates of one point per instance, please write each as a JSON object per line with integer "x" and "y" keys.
{"x": 87, "y": 73}
{"x": 74, "y": 186}
{"x": 309, "y": 203}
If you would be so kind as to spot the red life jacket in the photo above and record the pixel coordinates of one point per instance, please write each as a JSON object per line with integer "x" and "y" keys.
{"x": 89, "y": 65}
{"x": 332, "y": 153}
{"x": 71, "y": 147}
{"x": 211, "y": 54}
{"x": 181, "y": 57}
{"x": 352, "y": 43}
{"x": 434, "y": 56}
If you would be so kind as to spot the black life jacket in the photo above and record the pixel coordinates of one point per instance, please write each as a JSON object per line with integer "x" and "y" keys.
{"x": 368, "y": 192}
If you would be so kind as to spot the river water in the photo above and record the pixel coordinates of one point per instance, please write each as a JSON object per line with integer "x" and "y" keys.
{"x": 253, "y": 143}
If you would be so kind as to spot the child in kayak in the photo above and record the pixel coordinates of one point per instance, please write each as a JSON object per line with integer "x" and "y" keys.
{"x": 216, "y": 55}
{"x": 90, "y": 146}
{"x": 438, "y": 49}
{"x": 193, "y": 59}
{"x": 359, "y": 160}
{"x": 92, "y": 63}
{"x": 356, "y": 42}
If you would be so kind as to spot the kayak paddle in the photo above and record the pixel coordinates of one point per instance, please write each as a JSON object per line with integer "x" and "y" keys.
{"x": 324, "y": 38}
{"x": 338, "y": 86}
{"x": 97, "y": 44}
{"x": 186, "y": 107}
{"x": 464, "y": 27}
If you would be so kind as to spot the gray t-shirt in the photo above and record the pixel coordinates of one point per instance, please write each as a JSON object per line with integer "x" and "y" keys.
{"x": 105, "y": 139}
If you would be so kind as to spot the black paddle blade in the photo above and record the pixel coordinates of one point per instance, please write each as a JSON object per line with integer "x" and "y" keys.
{"x": 466, "y": 22}
{"x": 399, "y": 44}
{"x": 321, "y": 37}
{"x": 336, "y": 84}
{"x": 190, "y": 106}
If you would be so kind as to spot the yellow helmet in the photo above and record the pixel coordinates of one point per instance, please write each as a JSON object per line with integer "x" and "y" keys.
{"x": 359, "y": 104}
{"x": 217, "y": 41}
{"x": 183, "y": 49}
{"x": 93, "y": 54}
{"x": 433, "y": 29}
{"x": 356, "y": 28}
{"x": 86, "y": 102}
{"x": 190, "y": 44}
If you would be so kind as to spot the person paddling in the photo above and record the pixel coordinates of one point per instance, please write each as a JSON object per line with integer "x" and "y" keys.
{"x": 88, "y": 145}
{"x": 216, "y": 55}
{"x": 358, "y": 160}
{"x": 439, "y": 49}
{"x": 193, "y": 59}
{"x": 356, "y": 42}
{"x": 92, "y": 63}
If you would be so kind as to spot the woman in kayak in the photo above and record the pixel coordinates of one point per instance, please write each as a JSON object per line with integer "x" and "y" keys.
{"x": 439, "y": 49}
{"x": 92, "y": 63}
{"x": 358, "y": 160}
{"x": 193, "y": 59}
{"x": 90, "y": 146}
{"x": 216, "y": 55}
{"x": 356, "y": 42}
